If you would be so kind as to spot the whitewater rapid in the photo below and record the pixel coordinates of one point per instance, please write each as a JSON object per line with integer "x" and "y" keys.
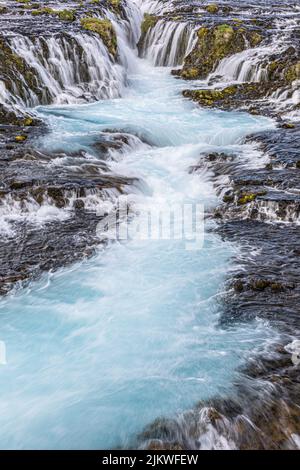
{"x": 97, "y": 351}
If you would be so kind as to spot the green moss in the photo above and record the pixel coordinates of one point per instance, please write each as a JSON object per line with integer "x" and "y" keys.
{"x": 149, "y": 21}
{"x": 224, "y": 28}
{"x": 273, "y": 66}
{"x": 216, "y": 43}
{"x": 64, "y": 15}
{"x": 67, "y": 15}
{"x": 212, "y": 8}
{"x": 115, "y": 4}
{"x": 293, "y": 72}
{"x": 256, "y": 39}
{"x": 230, "y": 90}
{"x": 210, "y": 97}
{"x": 44, "y": 11}
{"x": 15, "y": 72}
{"x": 202, "y": 32}
{"x": 288, "y": 125}
{"x": 245, "y": 198}
{"x": 20, "y": 138}
{"x": 237, "y": 21}
{"x": 190, "y": 74}
{"x": 28, "y": 122}
{"x": 104, "y": 28}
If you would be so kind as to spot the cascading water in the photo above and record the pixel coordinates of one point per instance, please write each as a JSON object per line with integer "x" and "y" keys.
{"x": 97, "y": 351}
{"x": 167, "y": 43}
{"x": 72, "y": 69}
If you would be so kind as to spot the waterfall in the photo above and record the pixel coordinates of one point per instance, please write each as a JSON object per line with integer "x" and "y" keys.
{"x": 73, "y": 67}
{"x": 245, "y": 66}
{"x": 168, "y": 42}
{"x": 153, "y": 6}
{"x": 128, "y": 32}
{"x": 286, "y": 99}
{"x": 251, "y": 64}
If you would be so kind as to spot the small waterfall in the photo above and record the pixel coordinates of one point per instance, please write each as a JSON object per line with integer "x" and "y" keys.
{"x": 73, "y": 67}
{"x": 153, "y": 6}
{"x": 245, "y": 66}
{"x": 168, "y": 42}
{"x": 128, "y": 32}
{"x": 251, "y": 64}
{"x": 287, "y": 99}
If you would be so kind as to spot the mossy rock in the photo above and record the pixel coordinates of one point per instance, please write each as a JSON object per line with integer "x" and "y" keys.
{"x": 15, "y": 73}
{"x": 115, "y": 4}
{"x": 246, "y": 198}
{"x": 293, "y": 72}
{"x": 149, "y": 22}
{"x": 210, "y": 97}
{"x": 104, "y": 29}
{"x": 213, "y": 8}
{"x": 44, "y": 11}
{"x": 66, "y": 15}
{"x": 190, "y": 74}
{"x": 288, "y": 125}
{"x": 214, "y": 44}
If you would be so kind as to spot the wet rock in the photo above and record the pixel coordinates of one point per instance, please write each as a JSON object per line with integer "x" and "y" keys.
{"x": 29, "y": 181}
{"x": 212, "y": 8}
{"x": 213, "y": 44}
{"x": 20, "y": 138}
{"x": 149, "y": 21}
{"x": 78, "y": 204}
{"x": 104, "y": 28}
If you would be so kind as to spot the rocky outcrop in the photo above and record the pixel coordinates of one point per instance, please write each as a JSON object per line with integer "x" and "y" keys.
{"x": 280, "y": 75}
{"x": 214, "y": 44}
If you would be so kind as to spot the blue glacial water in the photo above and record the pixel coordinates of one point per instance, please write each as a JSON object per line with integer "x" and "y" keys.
{"x": 97, "y": 351}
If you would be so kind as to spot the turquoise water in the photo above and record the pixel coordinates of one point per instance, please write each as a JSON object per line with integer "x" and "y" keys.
{"x": 97, "y": 351}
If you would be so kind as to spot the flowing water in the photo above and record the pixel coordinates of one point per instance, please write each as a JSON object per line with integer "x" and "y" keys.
{"x": 97, "y": 351}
